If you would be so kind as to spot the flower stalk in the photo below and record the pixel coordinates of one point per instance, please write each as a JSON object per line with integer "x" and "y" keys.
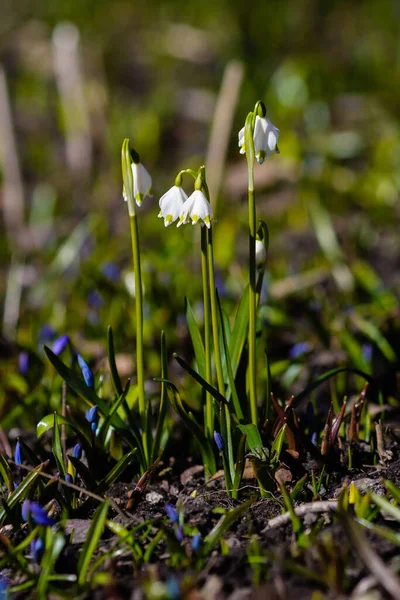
{"x": 209, "y": 411}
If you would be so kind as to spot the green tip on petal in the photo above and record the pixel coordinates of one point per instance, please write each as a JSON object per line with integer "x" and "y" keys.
{"x": 168, "y": 220}
{"x": 139, "y": 199}
{"x": 195, "y": 218}
{"x": 207, "y": 220}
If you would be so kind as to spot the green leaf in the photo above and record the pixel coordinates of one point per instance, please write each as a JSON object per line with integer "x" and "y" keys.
{"x": 115, "y": 472}
{"x": 209, "y": 388}
{"x": 162, "y": 411}
{"x": 92, "y": 539}
{"x": 21, "y": 492}
{"x": 83, "y": 472}
{"x": 239, "y": 331}
{"x": 79, "y": 386}
{"x": 276, "y": 447}
{"x": 253, "y": 437}
{"x": 196, "y": 338}
{"x": 53, "y": 547}
{"x": 6, "y": 473}
{"x": 106, "y": 423}
{"x": 57, "y": 448}
{"x": 205, "y": 447}
{"x": 47, "y": 423}
{"x": 222, "y": 526}
{"x": 111, "y": 361}
{"x": 388, "y": 507}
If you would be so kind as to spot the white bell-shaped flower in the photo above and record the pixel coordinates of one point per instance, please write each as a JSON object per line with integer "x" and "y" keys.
{"x": 196, "y": 208}
{"x": 261, "y": 253}
{"x": 265, "y": 139}
{"x": 171, "y": 204}
{"x": 141, "y": 183}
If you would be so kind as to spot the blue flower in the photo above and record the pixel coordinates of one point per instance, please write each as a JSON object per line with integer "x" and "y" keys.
{"x": 23, "y": 362}
{"x": 77, "y": 451}
{"x": 172, "y": 513}
{"x": 86, "y": 371}
{"x": 46, "y": 333}
{"x": 60, "y": 344}
{"x": 179, "y": 533}
{"x": 219, "y": 441}
{"x": 18, "y": 454}
{"x": 37, "y": 512}
{"x": 69, "y": 478}
{"x": 367, "y": 351}
{"x": 95, "y": 299}
{"x": 196, "y": 541}
{"x": 92, "y": 415}
{"x": 3, "y": 588}
{"x": 111, "y": 271}
{"x": 37, "y": 550}
{"x": 299, "y": 349}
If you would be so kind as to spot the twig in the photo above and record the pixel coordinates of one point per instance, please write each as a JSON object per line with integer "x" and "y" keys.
{"x": 300, "y": 511}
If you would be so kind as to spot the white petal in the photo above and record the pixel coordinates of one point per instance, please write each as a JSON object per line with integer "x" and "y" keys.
{"x": 201, "y": 209}
{"x": 259, "y": 134}
{"x": 171, "y": 204}
{"x": 141, "y": 182}
{"x": 241, "y": 136}
{"x": 272, "y": 141}
{"x": 185, "y": 211}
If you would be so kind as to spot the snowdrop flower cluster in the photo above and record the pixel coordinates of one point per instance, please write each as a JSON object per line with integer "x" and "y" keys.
{"x": 175, "y": 204}
{"x": 265, "y": 139}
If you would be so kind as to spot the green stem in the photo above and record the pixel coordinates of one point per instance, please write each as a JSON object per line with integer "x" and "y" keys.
{"x": 209, "y": 416}
{"x": 214, "y": 316}
{"x": 139, "y": 330}
{"x": 252, "y": 297}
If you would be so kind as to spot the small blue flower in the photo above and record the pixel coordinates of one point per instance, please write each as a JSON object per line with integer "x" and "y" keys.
{"x": 314, "y": 438}
{"x": 367, "y": 351}
{"x": 37, "y": 512}
{"x": 77, "y": 451}
{"x": 196, "y": 541}
{"x": 179, "y": 533}
{"x": 219, "y": 441}
{"x": 299, "y": 349}
{"x": 69, "y": 478}
{"x": 60, "y": 344}
{"x": 111, "y": 271}
{"x": 86, "y": 371}
{"x": 92, "y": 415}
{"x": 18, "y": 454}
{"x": 23, "y": 362}
{"x": 173, "y": 588}
{"x": 172, "y": 513}
{"x": 37, "y": 550}
{"x": 95, "y": 299}
{"x": 3, "y": 588}
{"x": 46, "y": 333}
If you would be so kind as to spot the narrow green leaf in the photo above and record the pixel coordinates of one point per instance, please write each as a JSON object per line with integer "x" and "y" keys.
{"x": 115, "y": 472}
{"x": 111, "y": 361}
{"x": 223, "y": 525}
{"x": 162, "y": 411}
{"x": 83, "y": 472}
{"x": 239, "y": 331}
{"x": 54, "y": 543}
{"x": 47, "y": 423}
{"x": 6, "y": 473}
{"x": 209, "y": 388}
{"x": 107, "y": 421}
{"x": 57, "y": 448}
{"x": 92, "y": 539}
{"x": 22, "y": 491}
{"x": 197, "y": 340}
{"x": 253, "y": 437}
{"x": 388, "y": 507}
{"x": 205, "y": 447}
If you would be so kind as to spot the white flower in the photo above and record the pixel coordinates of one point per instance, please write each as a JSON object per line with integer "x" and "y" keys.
{"x": 265, "y": 139}
{"x": 197, "y": 208}
{"x": 141, "y": 184}
{"x": 261, "y": 253}
{"x": 171, "y": 204}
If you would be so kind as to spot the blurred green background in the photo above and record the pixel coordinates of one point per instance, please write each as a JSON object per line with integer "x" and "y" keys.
{"x": 178, "y": 79}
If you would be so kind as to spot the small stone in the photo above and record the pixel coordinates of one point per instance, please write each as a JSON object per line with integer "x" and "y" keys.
{"x": 154, "y": 498}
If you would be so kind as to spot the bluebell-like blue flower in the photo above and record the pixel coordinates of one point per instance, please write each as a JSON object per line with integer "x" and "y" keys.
{"x": 3, "y": 588}
{"x": 219, "y": 441}
{"x": 69, "y": 478}
{"x": 172, "y": 513}
{"x": 179, "y": 533}
{"x": 46, "y": 333}
{"x": 37, "y": 512}
{"x": 95, "y": 299}
{"x": 111, "y": 271}
{"x": 299, "y": 349}
{"x": 367, "y": 350}
{"x": 77, "y": 451}
{"x": 92, "y": 415}
{"x": 18, "y": 454}
{"x": 314, "y": 438}
{"x": 23, "y": 362}
{"x": 86, "y": 371}
{"x": 196, "y": 542}
{"x": 60, "y": 344}
{"x": 37, "y": 550}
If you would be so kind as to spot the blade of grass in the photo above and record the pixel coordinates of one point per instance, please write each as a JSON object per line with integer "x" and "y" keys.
{"x": 92, "y": 539}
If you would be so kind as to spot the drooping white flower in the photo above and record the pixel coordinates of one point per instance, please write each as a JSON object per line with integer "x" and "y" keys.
{"x": 261, "y": 253}
{"x": 171, "y": 204}
{"x": 197, "y": 208}
{"x": 141, "y": 183}
{"x": 265, "y": 139}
